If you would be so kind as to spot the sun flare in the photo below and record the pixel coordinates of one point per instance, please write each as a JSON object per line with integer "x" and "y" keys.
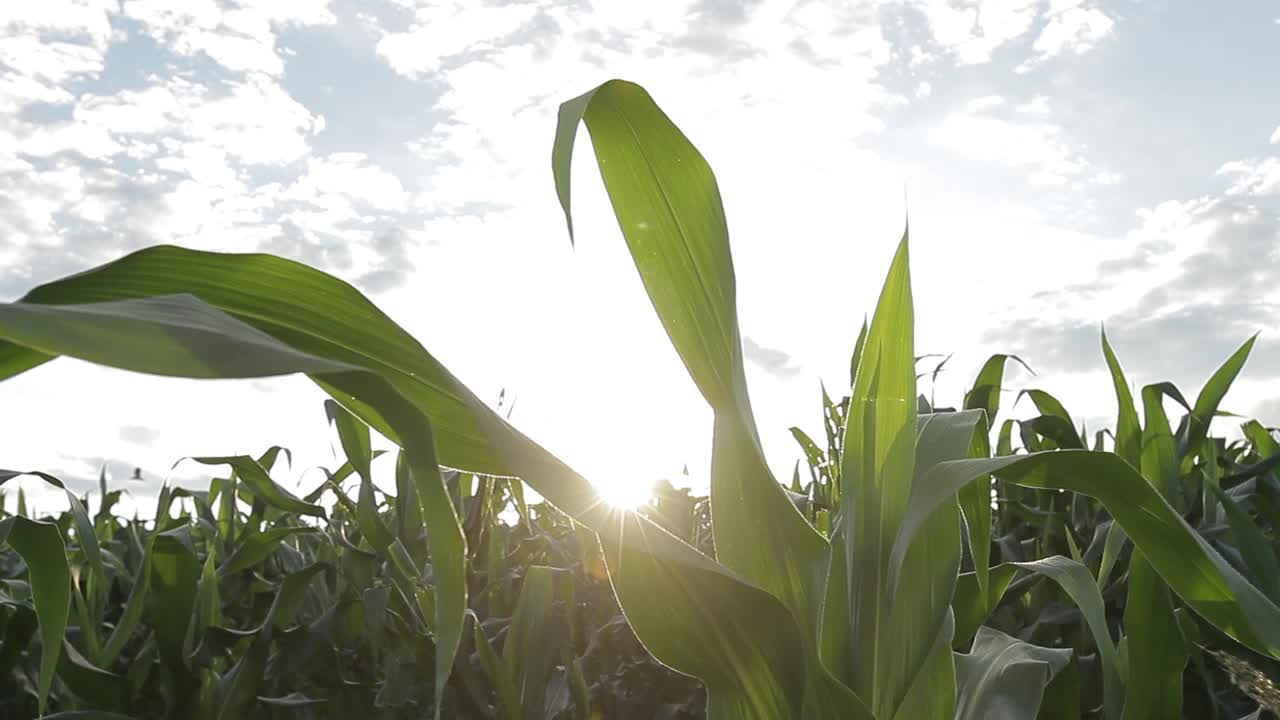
{"x": 626, "y": 494}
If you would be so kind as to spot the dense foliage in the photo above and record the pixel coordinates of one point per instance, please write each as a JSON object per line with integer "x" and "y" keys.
{"x": 171, "y": 618}
{"x": 939, "y": 564}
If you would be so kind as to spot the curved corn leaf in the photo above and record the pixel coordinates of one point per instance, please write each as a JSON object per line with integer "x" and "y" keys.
{"x": 1183, "y": 559}
{"x": 95, "y": 581}
{"x": 41, "y": 548}
{"x": 1076, "y": 580}
{"x": 101, "y": 689}
{"x": 354, "y": 436}
{"x": 256, "y": 478}
{"x": 237, "y": 689}
{"x": 255, "y": 547}
{"x": 219, "y": 333}
{"x": 668, "y": 207}
{"x": 1002, "y": 677}
{"x": 985, "y": 393}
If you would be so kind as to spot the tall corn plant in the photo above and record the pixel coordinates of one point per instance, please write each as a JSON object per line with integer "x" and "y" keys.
{"x": 785, "y": 623}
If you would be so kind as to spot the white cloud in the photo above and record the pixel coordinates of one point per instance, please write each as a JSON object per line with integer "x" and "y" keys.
{"x": 44, "y": 45}
{"x": 1039, "y": 105}
{"x": 973, "y": 29}
{"x": 1072, "y": 28}
{"x": 349, "y": 175}
{"x": 81, "y": 19}
{"x": 1037, "y": 147}
{"x": 1253, "y": 177}
{"x": 241, "y": 36}
{"x": 254, "y": 121}
{"x": 49, "y": 62}
{"x": 447, "y": 29}
{"x": 984, "y": 103}
{"x": 1275, "y": 136}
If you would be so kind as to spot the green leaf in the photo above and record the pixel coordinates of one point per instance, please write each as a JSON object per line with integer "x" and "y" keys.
{"x": 1128, "y": 433}
{"x": 1002, "y": 677}
{"x": 1159, "y": 460}
{"x": 354, "y": 436}
{"x": 532, "y": 644}
{"x": 857, "y": 353}
{"x": 41, "y": 548}
{"x": 498, "y": 671}
{"x": 256, "y": 479}
{"x": 1209, "y": 398}
{"x": 133, "y": 608}
{"x": 175, "y": 576}
{"x": 320, "y": 315}
{"x": 1157, "y": 654}
{"x": 1111, "y": 549}
{"x": 985, "y": 393}
{"x": 1183, "y": 559}
{"x": 972, "y": 606}
{"x": 97, "y": 687}
{"x": 1076, "y": 580}
{"x": 892, "y": 642}
{"x": 208, "y": 609}
{"x": 174, "y": 335}
{"x": 258, "y": 546}
{"x": 1253, "y": 544}
{"x": 668, "y": 207}
{"x": 238, "y": 689}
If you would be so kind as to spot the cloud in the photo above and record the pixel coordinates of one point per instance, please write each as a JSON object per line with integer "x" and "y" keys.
{"x": 1036, "y": 147}
{"x": 1259, "y": 176}
{"x": 139, "y": 434}
{"x": 1199, "y": 279}
{"x": 394, "y": 266}
{"x": 241, "y": 38}
{"x": 1267, "y": 411}
{"x": 1072, "y": 28}
{"x": 972, "y": 30}
{"x": 447, "y": 30}
{"x": 771, "y": 360}
{"x": 1038, "y": 105}
{"x": 1275, "y": 136}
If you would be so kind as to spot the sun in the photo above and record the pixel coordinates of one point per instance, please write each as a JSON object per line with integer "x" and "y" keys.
{"x": 626, "y": 494}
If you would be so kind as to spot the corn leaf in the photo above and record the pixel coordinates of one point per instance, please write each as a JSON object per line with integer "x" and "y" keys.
{"x": 1182, "y": 558}
{"x": 668, "y": 207}
{"x": 893, "y": 640}
{"x": 1210, "y": 397}
{"x": 40, "y": 545}
{"x": 1157, "y": 654}
{"x": 1003, "y": 677}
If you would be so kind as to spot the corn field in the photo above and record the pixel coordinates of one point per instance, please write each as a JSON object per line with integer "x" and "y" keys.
{"x": 922, "y": 563}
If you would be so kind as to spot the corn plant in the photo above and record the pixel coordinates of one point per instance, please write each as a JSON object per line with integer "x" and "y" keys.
{"x": 244, "y": 599}
{"x": 784, "y": 622}
{"x": 1225, "y": 490}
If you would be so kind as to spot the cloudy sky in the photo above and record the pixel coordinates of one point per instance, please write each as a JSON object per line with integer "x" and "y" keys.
{"x": 1064, "y": 163}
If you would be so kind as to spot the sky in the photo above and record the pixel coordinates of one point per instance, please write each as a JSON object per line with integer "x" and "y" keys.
{"x": 1063, "y": 163}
